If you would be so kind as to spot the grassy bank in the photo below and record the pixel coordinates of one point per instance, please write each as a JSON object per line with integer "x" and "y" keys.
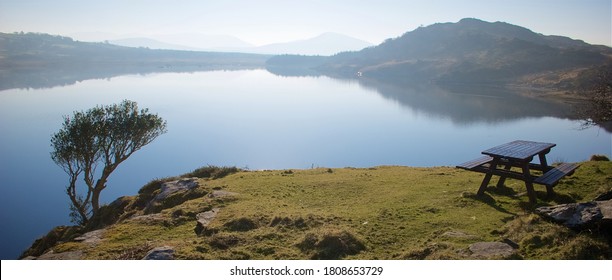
{"x": 387, "y": 212}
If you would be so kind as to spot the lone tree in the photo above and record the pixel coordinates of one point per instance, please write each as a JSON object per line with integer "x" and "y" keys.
{"x": 102, "y": 136}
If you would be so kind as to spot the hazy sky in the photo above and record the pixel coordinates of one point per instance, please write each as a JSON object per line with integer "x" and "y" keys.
{"x": 270, "y": 21}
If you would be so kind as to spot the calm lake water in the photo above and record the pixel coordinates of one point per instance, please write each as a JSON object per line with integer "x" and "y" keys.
{"x": 256, "y": 120}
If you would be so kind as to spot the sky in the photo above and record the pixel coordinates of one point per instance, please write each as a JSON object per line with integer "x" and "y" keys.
{"x": 263, "y": 22}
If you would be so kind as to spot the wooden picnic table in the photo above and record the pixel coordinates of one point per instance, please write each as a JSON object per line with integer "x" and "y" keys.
{"x": 519, "y": 154}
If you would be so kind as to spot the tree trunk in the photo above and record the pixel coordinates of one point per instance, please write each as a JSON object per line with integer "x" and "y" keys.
{"x": 95, "y": 197}
{"x": 100, "y": 185}
{"x": 79, "y": 207}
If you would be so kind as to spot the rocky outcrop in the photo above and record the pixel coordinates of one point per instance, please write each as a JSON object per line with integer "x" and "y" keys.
{"x": 160, "y": 253}
{"x": 171, "y": 187}
{"x": 55, "y": 236}
{"x": 580, "y": 215}
{"x": 145, "y": 209}
{"x": 92, "y": 237}
{"x": 491, "y": 250}
{"x": 174, "y": 193}
{"x": 110, "y": 214}
{"x": 204, "y": 219}
{"x": 69, "y": 255}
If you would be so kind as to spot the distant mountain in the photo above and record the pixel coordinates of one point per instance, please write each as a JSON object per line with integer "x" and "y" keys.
{"x": 206, "y": 42}
{"x": 324, "y": 44}
{"x": 179, "y": 41}
{"x": 149, "y": 43}
{"x": 469, "y": 51}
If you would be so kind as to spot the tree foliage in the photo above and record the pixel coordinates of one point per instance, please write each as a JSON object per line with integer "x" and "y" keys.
{"x": 103, "y": 136}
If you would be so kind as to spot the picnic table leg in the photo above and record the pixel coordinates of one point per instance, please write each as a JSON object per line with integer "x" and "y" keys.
{"x": 531, "y": 193}
{"x": 485, "y": 183}
{"x": 487, "y": 178}
{"x": 502, "y": 179}
{"x": 543, "y": 162}
{"x": 529, "y": 184}
{"x": 550, "y": 193}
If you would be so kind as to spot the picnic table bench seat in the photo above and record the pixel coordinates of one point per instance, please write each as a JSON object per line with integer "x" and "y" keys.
{"x": 475, "y": 163}
{"x": 552, "y": 176}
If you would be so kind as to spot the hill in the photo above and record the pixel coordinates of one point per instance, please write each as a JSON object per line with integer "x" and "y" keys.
{"x": 143, "y": 42}
{"x": 182, "y": 41}
{"x": 470, "y": 51}
{"x": 324, "y": 44}
{"x": 35, "y": 60}
{"x": 386, "y": 212}
{"x": 32, "y": 50}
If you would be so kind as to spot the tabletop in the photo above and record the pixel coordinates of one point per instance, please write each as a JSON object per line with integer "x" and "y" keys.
{"x": 519, "y": 150}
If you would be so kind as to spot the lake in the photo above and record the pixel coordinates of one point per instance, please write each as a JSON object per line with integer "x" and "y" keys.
{"x": 254, "y": 119}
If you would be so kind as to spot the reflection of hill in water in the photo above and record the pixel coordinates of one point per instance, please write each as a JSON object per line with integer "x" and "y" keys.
{"x": 465, "y": 104}
{"x": 63, "y": 76}
{"x": 462, "y": 104}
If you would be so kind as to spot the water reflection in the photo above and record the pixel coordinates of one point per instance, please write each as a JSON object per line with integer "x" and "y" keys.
{"x": 468, "y": 104}
{"x": 462, "y": 104}
{"x": 39, "y": 78}
{"x": 262, "y": 121}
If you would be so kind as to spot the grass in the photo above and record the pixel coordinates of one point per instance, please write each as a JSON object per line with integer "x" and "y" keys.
{"x": 386, "y": 212}
{"x": 213, "y": 172}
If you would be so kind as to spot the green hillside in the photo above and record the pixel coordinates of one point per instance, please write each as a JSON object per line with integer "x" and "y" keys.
{"x": 385, "y": 212}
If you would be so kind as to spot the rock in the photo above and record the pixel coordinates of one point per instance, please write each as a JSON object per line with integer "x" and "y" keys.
{"x": 580, "y": 215}
{"x": 110, "y": 214}
{"x": 491, "y": 250}
{"x": 604, "y": 196}
{"x": 220, "y": 193}
{"x": 167, "y": 189}
{"x": 93, "y": 237}
{"x": 53, "y": 237}
{"x": 204, "y": 219}
{"x": 160, "y": 253}
{"x": 69, "y": 255}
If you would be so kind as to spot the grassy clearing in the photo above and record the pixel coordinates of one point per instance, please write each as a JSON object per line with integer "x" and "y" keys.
{"x": 387, "y": 212}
